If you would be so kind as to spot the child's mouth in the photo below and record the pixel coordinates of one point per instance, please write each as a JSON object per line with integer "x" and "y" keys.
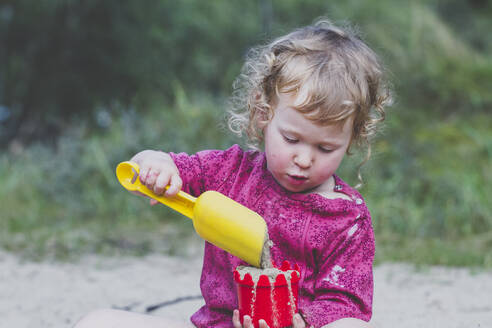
{"x": 296, "y": 179}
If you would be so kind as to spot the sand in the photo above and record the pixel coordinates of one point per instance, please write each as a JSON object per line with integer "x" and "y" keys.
{"x": 54, "y": 294}
{"x": 271, "y": 273}
{"x": 266, "y": 261}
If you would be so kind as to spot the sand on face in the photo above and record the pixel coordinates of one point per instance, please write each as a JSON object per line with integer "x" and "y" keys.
{"x": 56, "y": 294}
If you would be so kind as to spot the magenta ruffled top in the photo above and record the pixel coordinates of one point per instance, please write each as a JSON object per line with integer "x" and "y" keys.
{"x": 331, "y": 240}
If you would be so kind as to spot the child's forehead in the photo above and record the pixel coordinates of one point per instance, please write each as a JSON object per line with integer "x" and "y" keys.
{"x": 290, "y": 99}
{"x": 302, "y": 103}
{"x": 325, "y": 95}
{"x": 292, "y": 120}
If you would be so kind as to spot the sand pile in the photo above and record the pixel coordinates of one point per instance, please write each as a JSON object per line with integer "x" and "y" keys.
{"x": 55, "y": 295}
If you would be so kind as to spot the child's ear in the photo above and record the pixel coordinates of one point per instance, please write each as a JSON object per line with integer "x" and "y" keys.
{"x": 262, "y": 119}
{"x": 264, "y": 114}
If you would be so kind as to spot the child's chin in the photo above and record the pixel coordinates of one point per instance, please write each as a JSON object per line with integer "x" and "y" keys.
{"x": 284, "y": 182}
{"x": 298, "y": 189}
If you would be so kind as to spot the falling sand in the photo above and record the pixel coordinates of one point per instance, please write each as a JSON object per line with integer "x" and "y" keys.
{"x": 266, "y": 261}
{"x": 271, "y": 273}
{"x": 267, "y": 269}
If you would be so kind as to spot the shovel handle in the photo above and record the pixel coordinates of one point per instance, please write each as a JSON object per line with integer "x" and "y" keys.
{"x": 128, "y": 175}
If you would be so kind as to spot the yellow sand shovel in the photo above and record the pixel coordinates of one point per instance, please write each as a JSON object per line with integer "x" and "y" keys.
{"x": 216, "y": 218}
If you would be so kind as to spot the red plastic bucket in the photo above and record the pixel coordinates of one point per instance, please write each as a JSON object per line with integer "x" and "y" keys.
{"x": 275, "y": 302}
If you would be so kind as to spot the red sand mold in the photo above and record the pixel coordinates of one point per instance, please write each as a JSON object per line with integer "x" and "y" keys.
{"x": 274, "y": 301}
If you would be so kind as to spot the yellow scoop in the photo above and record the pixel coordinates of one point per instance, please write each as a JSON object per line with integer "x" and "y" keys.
{"x": 216, "y": 218}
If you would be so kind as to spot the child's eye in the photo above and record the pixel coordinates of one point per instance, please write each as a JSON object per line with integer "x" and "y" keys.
{"x": 290, "y": 140}
{"x": 325, "y": 150}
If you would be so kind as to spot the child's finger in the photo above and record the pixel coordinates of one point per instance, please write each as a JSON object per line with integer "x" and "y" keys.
{"x": 142, "y": 175}
{"x": 235, "y": 319}
{"x": 174, "y": 186}
{"x": 162, "y": 181}
{"x": 248, "y": 322}
{"x": 298, "y": 322}
{"x": 151, "y": 178}
{"x": 153, "y": 202}
{"x": 263, "y": 324}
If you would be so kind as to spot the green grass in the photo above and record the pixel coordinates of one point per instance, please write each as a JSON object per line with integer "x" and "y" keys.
{"x": 473, "y": 251}
{"x": 428, "y": 183}
{"x": 63, "y": 202}
{"x": 427, "y": 188}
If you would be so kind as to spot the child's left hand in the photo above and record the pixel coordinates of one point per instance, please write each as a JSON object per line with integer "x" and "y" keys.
{"x": 297, "y": 321}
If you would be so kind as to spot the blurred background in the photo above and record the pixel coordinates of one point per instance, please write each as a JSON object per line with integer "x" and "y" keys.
{"x": 87, "y": 84}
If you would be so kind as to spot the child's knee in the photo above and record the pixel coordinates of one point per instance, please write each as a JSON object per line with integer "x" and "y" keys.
{"x": 350, "y": 323}
{"x": 97, "y": 318}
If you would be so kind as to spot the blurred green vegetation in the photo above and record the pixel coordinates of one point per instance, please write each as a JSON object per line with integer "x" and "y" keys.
{"x": 85, "y": 85}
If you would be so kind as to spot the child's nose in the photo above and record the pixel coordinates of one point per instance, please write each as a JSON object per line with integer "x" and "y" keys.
{"x": 303, "y": 159}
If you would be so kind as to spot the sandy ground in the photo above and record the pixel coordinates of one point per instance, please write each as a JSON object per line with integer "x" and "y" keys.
{"x": 58, "y": 294}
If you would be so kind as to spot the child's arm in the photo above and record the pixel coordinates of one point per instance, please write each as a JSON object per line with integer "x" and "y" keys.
{"x": 157, "y": 170}
{"x": 208, "y": 169}
{"x": 344, "y": 283}
{"x": 195, "y": 173}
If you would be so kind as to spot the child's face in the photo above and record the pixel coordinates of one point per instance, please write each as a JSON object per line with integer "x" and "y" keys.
{"x": 302, "y": 155}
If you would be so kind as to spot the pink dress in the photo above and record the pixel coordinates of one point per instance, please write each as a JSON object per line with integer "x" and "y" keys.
{"x": 331, "y": 240}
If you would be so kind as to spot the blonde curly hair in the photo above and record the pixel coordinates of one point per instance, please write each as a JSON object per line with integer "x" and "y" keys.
{"x": 333, "y": 73}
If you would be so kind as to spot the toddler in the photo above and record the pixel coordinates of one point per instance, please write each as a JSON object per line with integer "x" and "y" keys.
{"x": 306, "y": 99}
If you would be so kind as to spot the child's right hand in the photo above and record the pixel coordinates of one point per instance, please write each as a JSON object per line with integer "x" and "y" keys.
{"x": 297, "y": 321}
{"x": 157, "y": 170}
